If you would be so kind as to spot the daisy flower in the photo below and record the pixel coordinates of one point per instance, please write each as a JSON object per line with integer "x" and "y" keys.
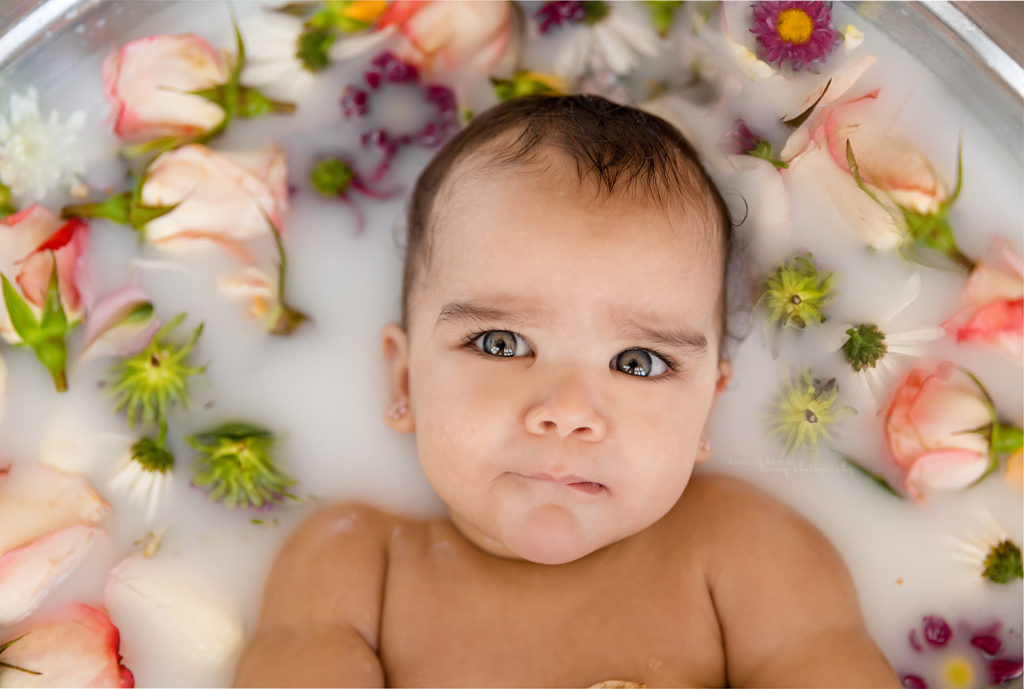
{"x": 805, "y": 411}
{"x": 602, "y": 33}
{"x": 870, "y": 349}
{"x": 989, "y": 552}
{"x": 794, "y": 31}
{"x": 144, "y": 475}
{"x": 37, "y": 155}
{"x": 796, "y": 293}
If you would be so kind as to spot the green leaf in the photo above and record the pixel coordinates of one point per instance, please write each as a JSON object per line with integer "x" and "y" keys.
{"x": 877, "y": 478}
{"x": 313, "y": 46}
{"x": 139, "y": 216}
{"x": 6, "y": 204}
{"x": 663, "y": 14}
{"x": 802, "y": 117}
{"x": 117, "y": 208}
{"x": 54, "y": 321}
{"x": 22, "y": 318}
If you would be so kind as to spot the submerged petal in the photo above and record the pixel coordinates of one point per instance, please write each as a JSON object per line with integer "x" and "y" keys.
{"x": 28, "y": 573}
{"x": 178, "y": 606}
{"x": 78, "y": 649}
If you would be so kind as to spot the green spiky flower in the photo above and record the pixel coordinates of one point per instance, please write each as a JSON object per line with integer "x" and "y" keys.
{"x": 1003, "y": 563}
{"x": 146, "y": 385}
{"x": 804, "y": 411}
{"x": 796, "y": 294}
{"x": 865, "y": 346}
{"x": 235, "y": 466}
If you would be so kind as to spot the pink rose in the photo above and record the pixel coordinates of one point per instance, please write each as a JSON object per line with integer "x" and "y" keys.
{"x": 78, "y": 649}
{"x": 995, "y": 302}
{"x": 148, "y": 83}
{"x": 48, "y": 522}
{"x": 221, "y": 197}
{"x": 26, "y": 240}
{"x": 467, "y": 35}
{"x": 929, "y": 428}
{"x": 897, "y": 172}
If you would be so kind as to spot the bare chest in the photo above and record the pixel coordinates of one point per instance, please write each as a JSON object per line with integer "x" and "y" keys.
{"x": 452, "y": 617}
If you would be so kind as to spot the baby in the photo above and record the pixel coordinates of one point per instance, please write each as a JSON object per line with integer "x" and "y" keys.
{"x": 561, "y": 350}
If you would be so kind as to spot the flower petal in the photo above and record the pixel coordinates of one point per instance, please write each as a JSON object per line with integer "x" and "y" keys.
{"x": 28, "y": 573}
{"x": 36, "y": 500}
{"x": 945, "y": 470}
{"x": 175, "y": 605}
{"x": 119, "y": 323}
{"x": 79, "y": 649}
{"x": 148, "y": 83}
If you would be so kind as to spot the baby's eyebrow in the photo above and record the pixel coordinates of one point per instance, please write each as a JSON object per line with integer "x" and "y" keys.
{"x": 483, "y": 313}
{"x": 676, "y": 338}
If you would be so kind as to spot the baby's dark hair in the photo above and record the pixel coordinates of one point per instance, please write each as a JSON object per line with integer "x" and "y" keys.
{"x": 619, "y": 149}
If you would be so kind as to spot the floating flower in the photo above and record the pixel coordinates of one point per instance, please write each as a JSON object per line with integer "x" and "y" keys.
{"x": 606, "y": 33}
{"x": 235, "y": 466}
{"x": 77, "y": 649}
{"x": 971, "y": 658}
{"x": 193, "y": 195}
{"x": 464, "y": 35}
{"x": 989, "y": 552}
{"x": 804, "y": 412}
{"x": 39, "y": 156}
{"x": 796, "y": 294}
{"x": 6, "y": 202}
{"x": 336, "y": 178}
{"x": 284, "y": 53}
{"x": 793, "y": 31}
{"x": 147, "y": 385}
{"x": 356, "y": 103}
{"x": 121, "y": 323}
{"x": 885, "y": 188}
{"x": 995, "y": 302}
{"x": 176, "y": 606}
{"x": 742, "y": 141}
{"x": 174, "y": 89}
{"x": 48, "y": 522}
{"x": 942, "y": 430}
{"x": 870, "y": 348}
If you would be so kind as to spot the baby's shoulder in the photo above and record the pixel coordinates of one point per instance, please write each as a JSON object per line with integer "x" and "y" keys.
{"x": 344, "y": 523}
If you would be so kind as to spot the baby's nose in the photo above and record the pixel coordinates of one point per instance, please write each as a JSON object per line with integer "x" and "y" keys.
{"x": 567, "y": 410}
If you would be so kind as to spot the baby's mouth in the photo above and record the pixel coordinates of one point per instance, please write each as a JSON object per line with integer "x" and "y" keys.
{"x": 577, "y": 483}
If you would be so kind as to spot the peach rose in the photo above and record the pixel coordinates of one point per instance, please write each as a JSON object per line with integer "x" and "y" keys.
{"x": 931, "y": 428}
{"x": 466, "y": 35}
{"x": 26, "y": 240}
{"x": 995, "y": 298}
{"x": 149, "y": 84}
{"x": 225, "y": 198}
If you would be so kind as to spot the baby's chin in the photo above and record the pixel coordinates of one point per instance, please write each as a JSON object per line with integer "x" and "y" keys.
{"x": 549, "y": 535}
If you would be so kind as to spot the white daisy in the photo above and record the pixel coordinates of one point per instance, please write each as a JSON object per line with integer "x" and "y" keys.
{"x": 871, "y": 349}
{"x": 141, "y": 483}
{"x": 615, "y": 41}
{"x": 271, "y": 62}
{"x": 39, "y": 156}
{"x": 984, "y": 549}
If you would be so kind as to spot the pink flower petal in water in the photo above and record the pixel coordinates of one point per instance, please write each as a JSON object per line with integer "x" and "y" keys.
{"x": 36, "y": 500}
{"x": 26, "y": 240}
{"x": 989, "y": 645}
{"x": 121, "y": 323}
{"x": 27, "y": 574}
{"x": 77, "y": 649}
{"x": 222, "y": 197}
{"x": 148, "y": 83}
{"x": 1002, "y": 670}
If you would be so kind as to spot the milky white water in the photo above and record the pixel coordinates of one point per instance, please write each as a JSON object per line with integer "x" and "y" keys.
{"x": 322, "y": 389}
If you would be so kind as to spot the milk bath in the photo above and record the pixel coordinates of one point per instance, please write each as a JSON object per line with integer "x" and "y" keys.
{"x": 321, "y": 390}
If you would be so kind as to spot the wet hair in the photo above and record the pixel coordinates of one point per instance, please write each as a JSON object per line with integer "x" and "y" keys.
{"x": 619, "y": 150}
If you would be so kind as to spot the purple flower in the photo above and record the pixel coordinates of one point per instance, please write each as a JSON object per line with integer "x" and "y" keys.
{"x": 386, "y": 68}
{"x": 794, "y": 31}
{"x": 989, "y": 645}
{"x": 962, "y": 665}
{"x": 1004, "y": 669}
{"x": 552, "y": 15}
{"x": 914, "y": 682}
{"x": 354, "y": 102}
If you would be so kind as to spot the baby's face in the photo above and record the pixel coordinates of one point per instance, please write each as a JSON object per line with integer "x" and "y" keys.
{"x": 538, "y": 310}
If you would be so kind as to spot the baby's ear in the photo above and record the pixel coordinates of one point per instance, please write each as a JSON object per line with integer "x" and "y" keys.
{"x": 395, "y": 347}
{"x": 724, "y": 376}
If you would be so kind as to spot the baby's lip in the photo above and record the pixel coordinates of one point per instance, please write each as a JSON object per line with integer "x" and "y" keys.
{"x": 580, "y": 483}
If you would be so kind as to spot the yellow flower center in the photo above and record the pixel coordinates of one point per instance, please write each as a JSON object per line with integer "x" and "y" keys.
{"x": 958, "y": 673}
{"x": 794, "y": 26}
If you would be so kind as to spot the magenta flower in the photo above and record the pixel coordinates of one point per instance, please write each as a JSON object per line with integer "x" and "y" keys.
{"x": 552, "y": 15}
{"x": 794, "y": 31}
{"x": 970, "y": 657}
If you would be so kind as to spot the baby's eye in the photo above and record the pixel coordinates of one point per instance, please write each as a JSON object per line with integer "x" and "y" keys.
{"x": 502, "y": 343}
{"x": 639, "y": 362}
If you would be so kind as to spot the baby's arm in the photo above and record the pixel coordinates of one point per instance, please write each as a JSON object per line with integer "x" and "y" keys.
{"x": 785, "y": 601}
{"x": 321, "y": 609}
